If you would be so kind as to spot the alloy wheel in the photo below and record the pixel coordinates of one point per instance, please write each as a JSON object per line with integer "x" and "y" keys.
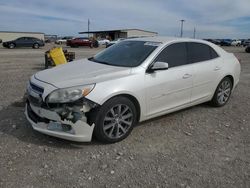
{"x": 224, "y": 92}
{"x": 117, "y": 121}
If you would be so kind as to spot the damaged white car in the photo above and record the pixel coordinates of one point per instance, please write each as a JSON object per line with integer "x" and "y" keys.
{"x": 132, "y": 81}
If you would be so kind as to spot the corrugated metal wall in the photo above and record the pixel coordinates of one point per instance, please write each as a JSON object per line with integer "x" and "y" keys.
{"x": 138, "y": 33}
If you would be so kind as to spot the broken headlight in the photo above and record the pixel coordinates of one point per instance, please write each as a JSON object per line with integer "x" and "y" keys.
{"x": 71, "y": 94}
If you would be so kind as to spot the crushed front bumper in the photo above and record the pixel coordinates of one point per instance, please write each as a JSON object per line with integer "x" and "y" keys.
{"x": 50, "y": 123}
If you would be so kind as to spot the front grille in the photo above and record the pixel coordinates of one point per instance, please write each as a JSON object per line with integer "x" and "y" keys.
{"x": 36, "y": 88}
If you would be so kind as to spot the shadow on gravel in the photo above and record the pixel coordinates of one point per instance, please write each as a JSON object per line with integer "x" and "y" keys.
{"x": 38, "y": 68}
{"x": 204, "y": 105}
{"x": 14, "y": 123}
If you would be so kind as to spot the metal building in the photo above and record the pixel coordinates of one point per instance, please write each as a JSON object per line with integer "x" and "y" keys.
{"x": 12, "y": 35}
{"x": 120, "y": 33}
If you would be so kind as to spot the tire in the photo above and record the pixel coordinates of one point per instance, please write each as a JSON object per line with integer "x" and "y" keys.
{"x": 222, "y": 93}
{"x": 111, "y": 124}
{"x": 12, "y": 45}
{"x": 36, "y": 46}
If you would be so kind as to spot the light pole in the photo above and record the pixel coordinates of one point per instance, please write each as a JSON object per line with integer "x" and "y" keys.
{"x": 182, "y": 27}
{"x": 194, "y": 32}
{"x": 88, "y": 27}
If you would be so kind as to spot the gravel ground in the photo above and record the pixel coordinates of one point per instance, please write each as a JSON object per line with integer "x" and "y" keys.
{"x": 201, "y": 146}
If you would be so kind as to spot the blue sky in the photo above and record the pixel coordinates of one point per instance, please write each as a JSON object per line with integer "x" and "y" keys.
{"x": 211, "y": 18}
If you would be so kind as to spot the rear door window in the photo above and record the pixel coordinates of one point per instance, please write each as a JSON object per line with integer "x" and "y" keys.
{"x": 198, "y": 52}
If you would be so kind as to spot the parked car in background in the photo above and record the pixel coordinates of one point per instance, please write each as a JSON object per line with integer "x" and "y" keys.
{"x": 24, "y": 42}
{"x": 114, "y": 42}
{"x": 80, "y": 41}
{"x": 103, "y": 41}
{"x": 215, "y": 41}
{"x": 248, "y": 49}
{"x": 246, "y": 42}
{"x": 226, "y": 42}
{"x": 63, "y": 40}
{"x": 132, "y": 81}
{"x": 236, "y": 42}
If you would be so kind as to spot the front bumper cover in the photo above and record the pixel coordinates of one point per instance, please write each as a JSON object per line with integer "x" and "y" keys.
{"x": 43, "y": 119}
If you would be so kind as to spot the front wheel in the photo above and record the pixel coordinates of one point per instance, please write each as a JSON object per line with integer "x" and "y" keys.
{"x": 36, "y": 46}
{"x": 12, "y": 45}
{"x": 114, "y": 120}
{"x": 222, "y": 93}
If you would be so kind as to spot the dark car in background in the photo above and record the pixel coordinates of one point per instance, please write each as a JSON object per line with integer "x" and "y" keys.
{"x": 248, "y": 49}
{"x": 226, "y": 42}
{"x": 81, "y": 41}
{"x": 24, "y": 42}
{"x": 246, "y": 42}
{"x": 215, "y": 41}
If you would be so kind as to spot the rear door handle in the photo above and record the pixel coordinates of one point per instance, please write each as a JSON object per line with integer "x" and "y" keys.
{"x": 217, "y": 68}
{"x": 185, "y": 76}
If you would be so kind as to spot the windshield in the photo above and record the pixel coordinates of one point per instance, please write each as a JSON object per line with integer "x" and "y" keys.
{"x": 126, "y": 53}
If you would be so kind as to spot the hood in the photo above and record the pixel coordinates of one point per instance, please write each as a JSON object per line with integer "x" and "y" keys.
{"x": 81, "y": 72}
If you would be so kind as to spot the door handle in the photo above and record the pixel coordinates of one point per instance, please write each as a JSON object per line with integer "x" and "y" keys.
{"x": 216, "y": 68}
{"x": 185, "y": 76}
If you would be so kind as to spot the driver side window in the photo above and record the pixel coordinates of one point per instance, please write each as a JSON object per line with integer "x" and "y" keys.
{"x": 174, "y": 54}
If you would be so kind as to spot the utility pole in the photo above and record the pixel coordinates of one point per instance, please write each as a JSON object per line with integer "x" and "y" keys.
{"x": 182, "y": 27}
{"x": 88, "y": 27}
{"x": 194, "y": 32}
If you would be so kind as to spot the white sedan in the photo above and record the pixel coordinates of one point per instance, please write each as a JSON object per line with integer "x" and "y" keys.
{"x": 236, "y": 43}
{"x": 103, "y": 41}
{"x": 129, "y": 82}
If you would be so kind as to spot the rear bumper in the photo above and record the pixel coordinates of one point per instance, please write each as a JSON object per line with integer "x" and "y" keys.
{"x": 44, "y": 120}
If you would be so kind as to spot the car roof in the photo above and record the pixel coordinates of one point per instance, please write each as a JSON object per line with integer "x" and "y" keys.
{"x": 166, "y": 40}
{"x": 163, "y": 39}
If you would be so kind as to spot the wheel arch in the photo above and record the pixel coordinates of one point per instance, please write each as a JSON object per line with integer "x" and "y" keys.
{"x": 225, "y": 76}
{"x": 231, "y": 78}
{"x": 133, "y": 99}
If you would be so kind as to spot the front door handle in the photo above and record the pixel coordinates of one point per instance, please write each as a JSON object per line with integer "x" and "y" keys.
{"x": 185, "y": 76}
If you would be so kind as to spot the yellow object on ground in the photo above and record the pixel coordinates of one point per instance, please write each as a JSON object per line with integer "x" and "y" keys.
{"x": 57, "y": 56}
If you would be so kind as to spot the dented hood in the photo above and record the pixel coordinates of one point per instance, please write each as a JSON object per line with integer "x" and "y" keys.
{"x": 81, "y": 72}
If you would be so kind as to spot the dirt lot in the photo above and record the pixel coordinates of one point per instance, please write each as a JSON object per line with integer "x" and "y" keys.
{"x": 198, "y": 147}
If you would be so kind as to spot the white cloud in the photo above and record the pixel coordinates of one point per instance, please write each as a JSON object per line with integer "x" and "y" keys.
{"x": 69, "y": 17}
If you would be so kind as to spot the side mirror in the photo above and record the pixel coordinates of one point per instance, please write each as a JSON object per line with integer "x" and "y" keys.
{"x": 158, "y": 65}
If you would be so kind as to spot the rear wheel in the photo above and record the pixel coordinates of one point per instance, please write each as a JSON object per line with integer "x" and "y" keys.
{"x": 114, "y": 120}
{"x": 222, "y": 93}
